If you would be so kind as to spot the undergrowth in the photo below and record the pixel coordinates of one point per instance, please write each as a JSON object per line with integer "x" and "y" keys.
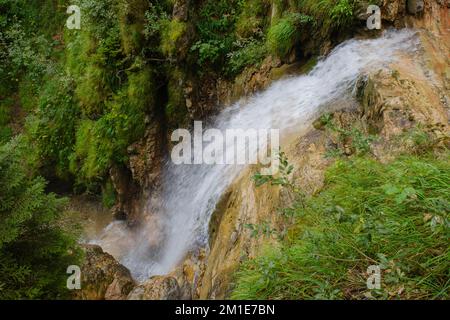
{"x": 395, "y": 216}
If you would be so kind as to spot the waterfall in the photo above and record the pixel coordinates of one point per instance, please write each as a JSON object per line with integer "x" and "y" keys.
{"x": 191, "y": 192}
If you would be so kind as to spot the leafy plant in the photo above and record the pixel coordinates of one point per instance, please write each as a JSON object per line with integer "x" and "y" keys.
{"x": 358, "y": 140}
{"x": 393, "y": 215}
{"x": 281, "y": 179}
{"x": 329, "y": 15}
{"x": 215, "y": 32}
{"x": 155, "y": 17}
{"x": 34, "y": 251}
{"x": 250, "y": 52}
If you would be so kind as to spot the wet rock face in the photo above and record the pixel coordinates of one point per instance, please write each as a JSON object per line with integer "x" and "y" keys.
{"x": 140, "y": 177}
{"x": 157, "y": 288}
{"x": 145, "y": 155}
{"x": 181, "y": 10}
{"x": 415, "y": 6}
{"x": 102, "y": 277}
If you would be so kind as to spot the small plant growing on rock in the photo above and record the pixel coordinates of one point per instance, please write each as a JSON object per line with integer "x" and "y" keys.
{"x": 349, "y": 140}
{"x": 282, "y": 178}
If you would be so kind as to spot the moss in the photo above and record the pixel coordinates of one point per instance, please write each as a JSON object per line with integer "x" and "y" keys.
{"x": 281, "y": 37}
{"x": 176, "y": 111}
{"x": 172, "y": 32}
{"x": 393, "y": 215}
{"x": 108, "y": 195}
{"x": 104, "y": 141}
{"x": 132, "y": 20}
{"x": 309, "y": 65}
{"x": 253, "y": 17}
{"x": 92, "y": 91}
{"x": 6, "y": 106}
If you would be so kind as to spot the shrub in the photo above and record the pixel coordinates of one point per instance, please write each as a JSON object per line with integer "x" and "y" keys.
{"x": 52, "y": 127}
{"x": 34, "y": 251}
{"x": 329, "y": 15}
{"x": 171, "y": 32}
{"x": 250, "y": 53}
{"x": 208, "y": 52}
{"x": 215, "y": 28}
{"x": 283, "y": 35}
{"x": 393, "y": 215}
{"x": 253, "y": 18}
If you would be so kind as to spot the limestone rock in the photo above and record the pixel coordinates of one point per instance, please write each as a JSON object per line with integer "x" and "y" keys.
{"x": 145, "y": 156}
{"x": 102, "y": 277}
{"x": 157, "y": 288}
{"x": 181, "y": 10}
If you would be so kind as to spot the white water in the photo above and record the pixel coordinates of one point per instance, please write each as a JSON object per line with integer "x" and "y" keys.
{"x": 190, "y": 192}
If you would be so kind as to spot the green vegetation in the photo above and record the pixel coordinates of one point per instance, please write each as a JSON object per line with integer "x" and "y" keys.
{"x": 170, "y": 36}
{"x": 353, "y": 139}
{"x": 232, "y": 35}
{"x": 215, "y": 31}
{"x": 108, "y": 195}
{"x": 393, "y": 215}
{"x": 330, "y": 15}
{"x": 6, "y": 107}
{"x": 283, "y": 35}
{"x": 250, "y": 53}
{"x": 34, "y": 251}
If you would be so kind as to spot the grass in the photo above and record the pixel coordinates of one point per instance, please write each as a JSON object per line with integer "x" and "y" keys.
{"x": 171, "y": 33}
{"x": 282, "y": 36}
{"x": 330, "y": 15}
{"x": 393, "y": 215}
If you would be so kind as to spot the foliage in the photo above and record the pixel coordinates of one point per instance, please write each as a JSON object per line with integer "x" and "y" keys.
{"x": 173, "y": 30}
{"x": 108, "y": 195}
{"x": 283, "y": 35}
{"x": 215, "y": 28}
{"x": 250, "y": 52}
{"x": 155, "y": 17}
{"x": 101, "y": 143}
{"x": 282, "y": 178}
{"x": 421, "y": 141}
{"x": 356, "y": 138}
{"x": 253, "y": 18}
{"x": 5, "y": 117}
{"x": 53, "y": 126}
{"x": 34, "y": 251}
{"x": 114, "y": 86}
{"x": 393, "y": 215}
{"x": 329, "y": 15}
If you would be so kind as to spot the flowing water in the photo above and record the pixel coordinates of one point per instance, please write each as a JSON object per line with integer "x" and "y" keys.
{"x": 190, "y": 193}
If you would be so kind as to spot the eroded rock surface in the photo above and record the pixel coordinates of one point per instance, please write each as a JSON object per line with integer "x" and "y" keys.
{"x": 157, "y": 288}
{"x": 102, "y": 277}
